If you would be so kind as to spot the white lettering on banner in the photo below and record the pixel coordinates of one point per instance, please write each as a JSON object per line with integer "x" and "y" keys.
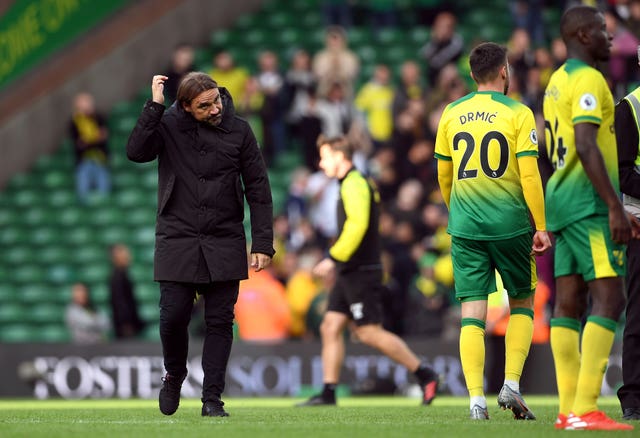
{"x": 262, "y": 375}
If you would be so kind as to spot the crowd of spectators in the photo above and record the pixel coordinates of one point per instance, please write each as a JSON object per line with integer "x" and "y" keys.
{"x": 392, "y": 118}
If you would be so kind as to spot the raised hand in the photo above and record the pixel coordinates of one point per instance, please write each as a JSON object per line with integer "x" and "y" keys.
{"x": 157, "y": 88}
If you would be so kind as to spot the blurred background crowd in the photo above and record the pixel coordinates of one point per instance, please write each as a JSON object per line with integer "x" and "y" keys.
{"x": 380, "y": 72}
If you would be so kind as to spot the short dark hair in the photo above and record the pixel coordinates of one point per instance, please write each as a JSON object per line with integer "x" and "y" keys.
{"x": 486, "y": 60}
{"x": 574, "y": 19}
{"x": 191, "y": 85}
{"x": 337, "y": 144}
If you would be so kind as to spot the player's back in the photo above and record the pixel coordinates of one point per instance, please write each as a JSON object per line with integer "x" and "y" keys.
{"x": 576, "y": 93}
{"x": 483, "y": 134}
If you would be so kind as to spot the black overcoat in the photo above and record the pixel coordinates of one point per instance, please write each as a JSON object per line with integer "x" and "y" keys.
{"x": 204, "y": 174}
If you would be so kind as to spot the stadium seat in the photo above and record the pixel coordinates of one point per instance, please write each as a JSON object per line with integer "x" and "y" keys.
{"x": 19, "y": 333}
{"x": 46, "y": 313}
{"x": 28, "y": 273}
{"x": 54, "y": 333}
{"x": 34, "y": 293}
{"x": 11, "y": 313}
{"x": 61, "y": 274}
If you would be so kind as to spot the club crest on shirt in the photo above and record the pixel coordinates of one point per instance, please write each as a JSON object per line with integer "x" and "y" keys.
{"x": 533, "y": 136}
{"x": 588, "y": 102}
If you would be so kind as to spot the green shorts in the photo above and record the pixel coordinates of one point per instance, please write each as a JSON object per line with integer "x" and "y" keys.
{"x": 475, "y": 263}
{"x": 585, "y": 248}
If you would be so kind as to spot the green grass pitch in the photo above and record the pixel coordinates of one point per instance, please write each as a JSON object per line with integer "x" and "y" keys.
{"x": 367, "y": 417}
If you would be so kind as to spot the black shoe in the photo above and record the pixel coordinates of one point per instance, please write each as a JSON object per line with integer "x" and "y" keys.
{"x": 214, "y": 409}
{"x": 318, "y": 400}
{"x": 631, "y": 414}
{"x": 429, "y": 389}
{"x": 169, "y": 397}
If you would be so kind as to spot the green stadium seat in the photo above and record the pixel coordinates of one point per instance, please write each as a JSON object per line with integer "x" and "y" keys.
{"x": 141, "y": 272}
{"x": 46, "y": 313}
{"x": 28, "y": 273}
{"x": 21, "y": 181}
{"x": 69, "y": 217}
{"x": 17, "y": 255}
{"x": 7, "y": 292}
{"x": 92, "y": 253}
{"x": 144, "y": 235}
{"x": 25, "y": 198}
{"x": 147, "y": 292}
{"x": 11, "y": 313}
{"x": 62, "y": 198}
{"x": 149, "y": 312}
{"x": 34, "y": 293}
{"x": 151, "y": 332}
{"x": 15, "y": 235}
{"x": 94, "y": 273}
{"x": 54, "y": 333}
{"x": 79, "y": 236}
{"x": 61, "y": 274}
{"x": 19, "y": 333}
{"x": 100, "y": 293}
{"x": 39, "y": 216}
{"x": 59, "y": 179}
{"x": 44, "y": 235}
{"x": 112, "y": 234}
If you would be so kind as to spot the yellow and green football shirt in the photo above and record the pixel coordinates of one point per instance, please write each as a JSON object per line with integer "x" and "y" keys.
{"x": 576, "y": 93}
{"x": 483, "y": 134}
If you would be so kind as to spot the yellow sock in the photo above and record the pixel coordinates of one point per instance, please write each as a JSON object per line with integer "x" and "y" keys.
{"x": 565, "y": 346}
{"x": 472, "y": 355}
{"x": 597, "y": 339}
{"x": 517, "y": 342}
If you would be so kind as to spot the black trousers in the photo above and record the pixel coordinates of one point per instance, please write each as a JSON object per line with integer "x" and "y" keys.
{"x": 176, "y": 305}
{"x": 629, "y": 392}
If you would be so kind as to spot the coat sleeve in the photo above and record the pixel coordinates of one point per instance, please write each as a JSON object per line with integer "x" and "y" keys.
{"x": 145, "y": 141}
{"x": 258, "y": 193}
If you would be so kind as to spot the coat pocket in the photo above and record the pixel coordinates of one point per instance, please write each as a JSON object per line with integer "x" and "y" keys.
{"x": 166, "y": 193}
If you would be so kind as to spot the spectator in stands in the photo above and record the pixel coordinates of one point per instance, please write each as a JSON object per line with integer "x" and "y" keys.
{"x": 124, "y": 308}
{"x": 410, "y": 87}
{"x": 623, "y": 60}
{"x": 444, "y": 47}
{"x": 302, "y": 287}
{"x": 375, "y": 101}
{"x": 527, "y": 14}
{"x": 336, "y": 63}
{"x": 89, "y": 133}
{"x": 633, "y": 22}
{"x": 209, "y": 163}
{"x": 229, "y": 76}
{"x": 86, "y": 324}
{"x": 271, "y": 84}
{"x": 521, "y": 58}
{"x": 299, "y": 87}
{"x": 335, "y": 111}
{"x": 181, "y": 63}
{"x": 262, "y": 311}
{"x": 337, "y": 13}
{"x": 427, "y": 300}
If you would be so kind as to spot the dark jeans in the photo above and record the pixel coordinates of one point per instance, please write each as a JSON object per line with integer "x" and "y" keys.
{"x": 629, "y": 393}
{"x": 176, "y": 304}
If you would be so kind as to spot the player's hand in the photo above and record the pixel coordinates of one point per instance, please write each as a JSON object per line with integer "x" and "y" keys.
{"x": 324, "y": 268}
{"x": 541, "y": 243}
{"x": 157, "y": 88}
{"x": 259, "y": 261}
{"x": 619, "y": 225}
{"x": 635, "y": 226}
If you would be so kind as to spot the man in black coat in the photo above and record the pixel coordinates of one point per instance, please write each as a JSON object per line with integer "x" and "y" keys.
{"x": 208, "y": 162}
{"x": 124, "y": 308}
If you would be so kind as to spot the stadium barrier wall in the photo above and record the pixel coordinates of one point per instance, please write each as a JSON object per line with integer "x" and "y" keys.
{"x": 134, "y": 369}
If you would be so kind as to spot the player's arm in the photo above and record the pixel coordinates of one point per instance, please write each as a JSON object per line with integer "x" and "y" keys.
{"x": 356, "y": 198}
{"x": 532, "y": 189}
{"x": 445, "y": 178}
{"x": 593, "y": 164}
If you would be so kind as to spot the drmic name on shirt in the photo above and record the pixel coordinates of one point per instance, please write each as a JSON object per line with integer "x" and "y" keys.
{"x": 478, "y": 116}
